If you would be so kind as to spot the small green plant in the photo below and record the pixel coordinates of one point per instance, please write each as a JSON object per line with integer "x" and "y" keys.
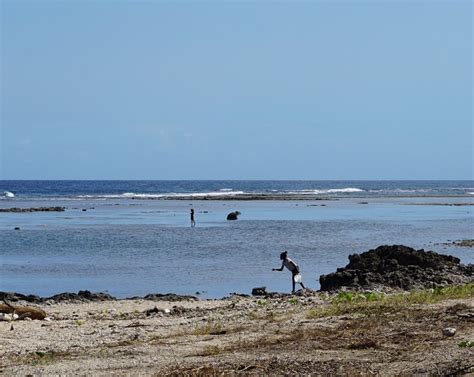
{"x": 262, "y": 302}
{"x": 294, "y": 301}
{"x": 374, "y": 296}
{"x": 79, "y": 322}
{"x": 466, "y": 344}
{"x": 344, "y": 297}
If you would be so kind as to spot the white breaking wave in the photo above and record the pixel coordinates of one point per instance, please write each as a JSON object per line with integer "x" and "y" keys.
{"x": 349, "y": 189}
{"x": 328, "y": 191}
{"x": 227, "y": 193}
{"x": 7, "y": 194}
{"x": 132, "y": 195}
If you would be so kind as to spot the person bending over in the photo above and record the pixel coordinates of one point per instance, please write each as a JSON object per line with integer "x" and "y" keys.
{"x": 294, "y": 269}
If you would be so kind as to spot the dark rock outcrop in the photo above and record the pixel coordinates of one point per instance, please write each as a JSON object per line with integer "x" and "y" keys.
{"x": 461, "y": 243}
{"x": 13, "y": 297}
{"x": 398, "y": 266}
{"x": 168, "y": 297}
{"x": 38, "y": 209}
{"x": 82, "y": 296}
{"x": 233, "y": 215}
{"x": 87, "y": 296}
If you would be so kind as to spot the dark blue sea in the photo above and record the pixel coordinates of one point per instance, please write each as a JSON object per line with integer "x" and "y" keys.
{"x": 134, "y": 237}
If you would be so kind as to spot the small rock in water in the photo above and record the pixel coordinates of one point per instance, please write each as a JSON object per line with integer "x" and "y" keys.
{"x": 449, "y": 331}
{"x": 259, "y": 291}
{"x": 17, "y": 228}
{"x": 233, "y": 215}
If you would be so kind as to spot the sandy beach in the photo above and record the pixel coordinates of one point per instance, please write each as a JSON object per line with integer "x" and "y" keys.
{"x": 287, "y": 335}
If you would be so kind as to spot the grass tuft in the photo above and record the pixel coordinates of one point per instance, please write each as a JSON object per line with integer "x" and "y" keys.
{"x": 378, "y": 303}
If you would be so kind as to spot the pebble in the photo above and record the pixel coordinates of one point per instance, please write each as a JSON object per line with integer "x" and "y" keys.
{"x": 8, "y": 317}
{"x": 449, "y": 331}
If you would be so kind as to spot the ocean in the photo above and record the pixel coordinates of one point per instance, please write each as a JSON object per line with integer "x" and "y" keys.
{"x": 132, "y": 238}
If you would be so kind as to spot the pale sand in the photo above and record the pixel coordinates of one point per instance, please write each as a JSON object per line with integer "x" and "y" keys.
{"x": 236, "y": 336}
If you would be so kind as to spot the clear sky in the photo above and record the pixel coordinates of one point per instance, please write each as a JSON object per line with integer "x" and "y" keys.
{"x": 236, "y": 90}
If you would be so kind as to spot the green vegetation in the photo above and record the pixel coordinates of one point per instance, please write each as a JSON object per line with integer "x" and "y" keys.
{"x": 368, "y": 303}
{"x": 466, "y": 344}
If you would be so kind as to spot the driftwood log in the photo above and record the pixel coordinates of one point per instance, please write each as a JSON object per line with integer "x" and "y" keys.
{"x": 22, "y": 311}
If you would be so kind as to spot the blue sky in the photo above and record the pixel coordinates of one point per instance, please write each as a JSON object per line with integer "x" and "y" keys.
{"x": 236, "y": 90}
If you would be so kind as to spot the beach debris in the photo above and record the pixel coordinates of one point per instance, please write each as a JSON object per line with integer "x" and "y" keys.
{"x": 233, "y": 215}
{"x": 449, "y": 331}
{"x": 11, "y": 312}
{"x": 150, "y": 312}
{"x": 8, "y": 317}
{"x": 155, "y": 310}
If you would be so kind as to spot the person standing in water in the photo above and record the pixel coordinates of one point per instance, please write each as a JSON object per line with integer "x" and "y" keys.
{"x": 294, "y": 269}
{"x": 193, "y": 223}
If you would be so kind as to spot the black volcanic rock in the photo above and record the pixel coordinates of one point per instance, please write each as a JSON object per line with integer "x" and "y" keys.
{"x": 398, "y": 266}
{"x": 233, "y": 215}
{"x": 168, "y": 297}
{"x": 37, "y": 209}
{"x": 81, "y": 296}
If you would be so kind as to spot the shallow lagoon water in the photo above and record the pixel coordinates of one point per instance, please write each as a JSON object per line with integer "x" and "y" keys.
{"x": 134, "y": 247}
